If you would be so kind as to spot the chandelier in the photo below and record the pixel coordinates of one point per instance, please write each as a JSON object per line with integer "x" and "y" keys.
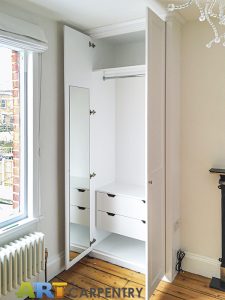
{"x": 211, "y": 11}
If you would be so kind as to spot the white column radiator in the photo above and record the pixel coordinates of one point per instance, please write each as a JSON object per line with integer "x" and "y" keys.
{"x": 20, "y": 260}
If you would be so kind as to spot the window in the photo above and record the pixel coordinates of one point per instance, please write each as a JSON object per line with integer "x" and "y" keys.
{"x": 13, "y": 133}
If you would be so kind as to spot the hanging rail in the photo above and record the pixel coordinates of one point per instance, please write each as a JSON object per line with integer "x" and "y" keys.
{"x": 122, "y": 76}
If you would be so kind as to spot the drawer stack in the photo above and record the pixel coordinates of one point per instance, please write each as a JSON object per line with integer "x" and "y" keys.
{"x": 80, "y": 206}
{"x": 123, "y": 215}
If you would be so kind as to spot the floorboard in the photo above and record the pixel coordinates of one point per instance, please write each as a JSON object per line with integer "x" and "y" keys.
{"x": 95, "y": 273}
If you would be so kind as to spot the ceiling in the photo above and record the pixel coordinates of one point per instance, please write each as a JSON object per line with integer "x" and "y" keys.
{"x": 88, "y": 14}
{"x": 190, "y": 13}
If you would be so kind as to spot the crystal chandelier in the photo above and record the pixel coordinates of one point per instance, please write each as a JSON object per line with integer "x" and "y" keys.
{"x": 211, "y": 11}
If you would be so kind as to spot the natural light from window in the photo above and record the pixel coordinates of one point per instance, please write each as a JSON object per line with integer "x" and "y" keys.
{"x": 12, "y": 132}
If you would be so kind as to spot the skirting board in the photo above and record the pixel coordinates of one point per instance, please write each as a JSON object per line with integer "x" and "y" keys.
{"x": 201, "y": 265}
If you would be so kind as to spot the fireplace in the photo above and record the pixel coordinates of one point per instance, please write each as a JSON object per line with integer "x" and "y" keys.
{"x": 219, "y": 283}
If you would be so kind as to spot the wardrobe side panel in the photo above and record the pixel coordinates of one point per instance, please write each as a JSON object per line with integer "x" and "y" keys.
{"x": 102, "y": 126}
{"x": 155, "y": 151}
{"x": 130, "y": 131}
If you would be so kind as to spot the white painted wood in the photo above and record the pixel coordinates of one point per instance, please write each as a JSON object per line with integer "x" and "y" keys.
{"x": 122, "y": 225}
{"x": 122, "y": 251}
{"x": 130, "y": 131}
{"x": 173, "y": 143}
{"x": 79, "y": 216}
{"x": 117, "y": 29}
{"x": 122, "y": 205}
{"x": 80, "y": 197}
{"x": 78, "y": 58}
{"x": 155, "y": 150}
{"x": 124, "y": 190}
{"x": 102, "y": 142}
{"x": 120, "y": 51}
{"x": 77, "y": 72}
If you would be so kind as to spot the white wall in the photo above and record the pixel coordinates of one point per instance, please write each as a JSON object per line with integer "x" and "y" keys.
{"x": 51, "y": 137}
{"x": 203, "y": 147}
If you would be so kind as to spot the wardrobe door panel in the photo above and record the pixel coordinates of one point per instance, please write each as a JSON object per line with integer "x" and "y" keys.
{"x": 155, "y": 150}
{"x": 78, "y": 52}
{"x": 78, "y": 56}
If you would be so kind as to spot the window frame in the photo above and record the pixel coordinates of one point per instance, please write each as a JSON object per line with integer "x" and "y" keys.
{"x": 25, "y": 58}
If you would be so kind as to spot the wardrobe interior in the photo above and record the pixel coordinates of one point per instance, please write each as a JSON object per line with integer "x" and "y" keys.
{"x": 110, "y": 208}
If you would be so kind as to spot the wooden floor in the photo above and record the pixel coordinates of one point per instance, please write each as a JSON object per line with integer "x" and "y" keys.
{"x": 94, "y": 273}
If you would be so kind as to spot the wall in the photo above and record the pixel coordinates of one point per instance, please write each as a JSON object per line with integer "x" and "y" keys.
{"x": 203, "y": 147}
{"x": 51, "y": 136}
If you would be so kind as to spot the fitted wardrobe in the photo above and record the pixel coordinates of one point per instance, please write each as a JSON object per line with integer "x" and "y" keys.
{"x": 115, "y": 146}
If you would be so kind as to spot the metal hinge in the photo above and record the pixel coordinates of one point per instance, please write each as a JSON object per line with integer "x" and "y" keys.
{"x": 92, "y": 242}
{"x": 92, "y": 112}
{"x": 92, "y": 175}
{"x": 92, "y": 44}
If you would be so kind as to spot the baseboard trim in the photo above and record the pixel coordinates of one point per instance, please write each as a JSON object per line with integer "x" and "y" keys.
{"x": 201, "y": 265}
{"x": 56, "y": 265}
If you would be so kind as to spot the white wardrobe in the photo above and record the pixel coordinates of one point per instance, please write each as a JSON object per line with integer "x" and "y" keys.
{"x": 115, "y": 147}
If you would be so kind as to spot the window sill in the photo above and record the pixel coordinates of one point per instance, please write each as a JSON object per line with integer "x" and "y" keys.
{"x": 17, "y": 226}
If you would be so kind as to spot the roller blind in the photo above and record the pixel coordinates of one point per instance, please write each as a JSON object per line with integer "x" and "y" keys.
{"x": 21, "y": 34}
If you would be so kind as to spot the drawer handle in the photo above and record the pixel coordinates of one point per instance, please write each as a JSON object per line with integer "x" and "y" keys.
{"x": 111, "y": 195}
{"x": 110, "y": 214}
{"x": 143, "y": 221}
{"x": 143, "y": 201}
{"x": 81, "y": 190}
{"x": 81, "y": 208}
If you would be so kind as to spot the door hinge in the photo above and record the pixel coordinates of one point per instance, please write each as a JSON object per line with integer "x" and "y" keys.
{"x": 92, "y": 45}
{"x": 92, "y": 242}
{"x": 92, "y": 112}
{"x": 92, "y": 175}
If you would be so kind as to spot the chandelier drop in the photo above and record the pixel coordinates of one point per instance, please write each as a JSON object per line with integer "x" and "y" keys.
{"x": 211, "y": 11}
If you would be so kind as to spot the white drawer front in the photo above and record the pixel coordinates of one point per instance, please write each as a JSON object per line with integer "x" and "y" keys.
{"x": 79, "y": 216}
{"x": 80, "y": 197}
{"x": 121, "y": 205}
{"x": 122, "y": 225}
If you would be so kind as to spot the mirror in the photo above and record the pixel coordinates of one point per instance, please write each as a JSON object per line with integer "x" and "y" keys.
{"x": 79, "y": 170}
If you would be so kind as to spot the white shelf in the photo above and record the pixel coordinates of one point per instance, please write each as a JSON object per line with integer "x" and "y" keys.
{"x": 121, "y": 250}
{"x": 121, "y": 189}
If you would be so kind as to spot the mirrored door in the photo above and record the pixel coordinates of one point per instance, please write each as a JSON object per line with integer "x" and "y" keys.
{"x": 79, "y": 165}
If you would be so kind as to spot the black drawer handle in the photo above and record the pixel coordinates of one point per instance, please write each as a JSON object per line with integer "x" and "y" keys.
{"x": 81, "y": 208}
{"x": 143, "y": 201}
{"x": 111, "y": 195}
{"x": 110, "y": 214}
{"x": 143, "y": 221}
{"x": 81, "y": 190}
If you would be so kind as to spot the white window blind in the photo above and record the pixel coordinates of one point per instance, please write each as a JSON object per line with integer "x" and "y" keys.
{"x": 20, "y": 34}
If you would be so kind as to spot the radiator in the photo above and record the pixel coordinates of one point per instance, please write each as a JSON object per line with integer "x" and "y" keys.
{"x": 20, "y": 260}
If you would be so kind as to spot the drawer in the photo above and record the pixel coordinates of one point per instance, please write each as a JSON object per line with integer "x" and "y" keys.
{"x": 122, "y": 205}
{"x": 79, "y": 215}
{"x": 80, "y": 197}
{"x": 122, "y": 225}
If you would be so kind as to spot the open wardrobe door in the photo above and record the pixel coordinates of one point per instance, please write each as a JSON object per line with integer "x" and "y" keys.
{"x": 155, "y": 150}
{"x": 78, "y": 52}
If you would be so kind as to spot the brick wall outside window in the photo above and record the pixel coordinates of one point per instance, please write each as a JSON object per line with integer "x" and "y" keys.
{"x": 16, "y": 128}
